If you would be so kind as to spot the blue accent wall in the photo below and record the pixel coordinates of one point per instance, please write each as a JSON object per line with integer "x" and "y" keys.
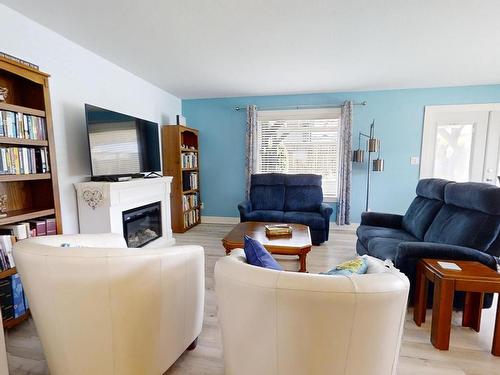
{"x": 398, "y": 118}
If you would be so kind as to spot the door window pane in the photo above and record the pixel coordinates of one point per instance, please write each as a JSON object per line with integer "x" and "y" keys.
{"x": 452, "y": 156}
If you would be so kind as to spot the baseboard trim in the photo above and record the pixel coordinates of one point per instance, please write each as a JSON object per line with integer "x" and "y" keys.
{"x": 219, "y": 220}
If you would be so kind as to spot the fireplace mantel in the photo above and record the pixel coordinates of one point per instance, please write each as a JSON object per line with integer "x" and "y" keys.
{"x": 101, "y": 204}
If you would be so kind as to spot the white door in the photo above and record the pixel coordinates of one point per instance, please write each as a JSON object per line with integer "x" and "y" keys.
{"x": 461, "y": 143}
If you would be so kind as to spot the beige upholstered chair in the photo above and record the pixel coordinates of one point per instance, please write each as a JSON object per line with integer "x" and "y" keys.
{"x": 104, "y": 309}
{"x": 289, "y": 323}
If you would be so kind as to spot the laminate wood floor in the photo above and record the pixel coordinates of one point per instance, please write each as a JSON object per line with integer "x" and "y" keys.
{"x": 469, "y": 352}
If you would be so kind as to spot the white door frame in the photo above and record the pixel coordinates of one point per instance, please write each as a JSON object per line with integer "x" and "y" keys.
{"x": 428, "y": 130}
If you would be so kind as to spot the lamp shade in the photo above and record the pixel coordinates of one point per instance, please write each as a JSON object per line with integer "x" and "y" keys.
{"x": 378, "y": 165}
{"x": 373, "y": 144}
{"x": 358, "y": 156}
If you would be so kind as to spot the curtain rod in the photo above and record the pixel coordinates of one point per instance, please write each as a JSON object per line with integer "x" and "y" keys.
{"x": 238, "y": 108}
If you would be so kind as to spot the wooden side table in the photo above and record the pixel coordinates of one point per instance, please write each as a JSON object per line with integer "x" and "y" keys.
{"x": 474, "y": 279}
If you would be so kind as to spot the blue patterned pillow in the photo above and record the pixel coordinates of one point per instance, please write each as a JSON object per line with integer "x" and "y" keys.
{"x": 257, "y": 255}
{"x": 356, "y": 266}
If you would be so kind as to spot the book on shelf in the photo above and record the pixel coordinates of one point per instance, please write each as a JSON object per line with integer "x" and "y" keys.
{"x": 17, "y": 296}
{"x": 6, "y": 302}
{"x": 189, "y": 201}
{"x": 190, "y": 181}
{"x": 189, "y": 160}
{"x": 191, "y": 218}
{"x": 38, "y": 228}
{"x": 6, "y": 257}
{"x": 23, "y": 160}
{"x": 19, "y": 125}
{"x": 50, "y": 225}
{"x": 17, "y": 230}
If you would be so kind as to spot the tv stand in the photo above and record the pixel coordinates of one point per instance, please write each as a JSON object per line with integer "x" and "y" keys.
{"x": 153, "y": 175}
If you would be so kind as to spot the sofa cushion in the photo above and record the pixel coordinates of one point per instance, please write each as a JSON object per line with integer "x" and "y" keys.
{"x": 268, "y": 197}
{"x": 463, "y": 227}
{"x": 303, "y": 198}
{"x": 257, "y": 255}
{"x": 265, "y": 215}
{"x": 367, "y": 232}
{"x": 419, "y": 216}
{"x": 303, "y": 180}
{"x": 267, "y": 179}
{"x": 475, "y": 196}
{"x": 383, "y": 248}
{"x": 312, "y": 219}
{"x": 432, "y": 188}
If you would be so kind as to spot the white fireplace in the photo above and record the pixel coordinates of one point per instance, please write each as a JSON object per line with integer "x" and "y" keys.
{"x": 138, "y": 209}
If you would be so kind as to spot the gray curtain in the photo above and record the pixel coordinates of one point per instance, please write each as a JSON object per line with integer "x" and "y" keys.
{"x": 251, "y": 145}
{"x": 345, "y": 166}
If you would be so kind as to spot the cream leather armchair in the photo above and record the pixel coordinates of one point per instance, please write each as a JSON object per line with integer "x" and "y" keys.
{"x": 289, "y": 323}
{"x": 104, "y": 309}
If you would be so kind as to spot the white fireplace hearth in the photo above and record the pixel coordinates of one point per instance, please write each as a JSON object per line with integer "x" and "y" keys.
{"x": 113, "y": 206}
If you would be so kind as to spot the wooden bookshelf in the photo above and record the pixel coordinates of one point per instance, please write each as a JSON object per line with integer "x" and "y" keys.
{"x": 36, "y": 195}
{"x": 174, "y": 138}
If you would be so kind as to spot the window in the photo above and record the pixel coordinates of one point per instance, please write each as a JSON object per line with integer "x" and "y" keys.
{"x": 300, "y": 141}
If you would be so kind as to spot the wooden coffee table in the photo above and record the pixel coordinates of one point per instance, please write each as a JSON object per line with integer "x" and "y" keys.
{"x": 474, "y": 279}
{"x": 299, "y": 243}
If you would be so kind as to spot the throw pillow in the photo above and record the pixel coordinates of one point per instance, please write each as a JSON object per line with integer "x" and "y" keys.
{"x": 257, "y": 255}
{"x": 357, "y": 266}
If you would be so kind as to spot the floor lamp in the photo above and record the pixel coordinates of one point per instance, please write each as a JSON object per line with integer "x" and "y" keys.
{"x": 372, "y": 146}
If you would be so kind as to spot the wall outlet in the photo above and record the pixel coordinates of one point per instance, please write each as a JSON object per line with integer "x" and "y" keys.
{"x": 414, "y": 160}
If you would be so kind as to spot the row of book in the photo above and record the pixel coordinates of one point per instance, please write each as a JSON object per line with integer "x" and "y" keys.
{"x": 191, "y": 217}
{"x": 189, "y": 160}
{"x": 189, "y": 201}
{"x": 24, "y": 160}
{"x": 190, "y": 181}
{"x": 13, "y": 301}
{"x": 18, "y": 125}
{"x": 21, "y": 231}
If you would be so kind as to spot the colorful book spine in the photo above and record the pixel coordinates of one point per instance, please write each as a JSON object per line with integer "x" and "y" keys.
{"x": 18, "y": 296}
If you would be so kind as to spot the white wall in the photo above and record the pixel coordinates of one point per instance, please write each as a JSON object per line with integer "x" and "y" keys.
{"x": 79, "y": 76}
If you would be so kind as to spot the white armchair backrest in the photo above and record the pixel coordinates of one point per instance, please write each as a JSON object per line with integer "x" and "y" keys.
{"x": 277, "y": 323}
{"x": 107, "y": 309}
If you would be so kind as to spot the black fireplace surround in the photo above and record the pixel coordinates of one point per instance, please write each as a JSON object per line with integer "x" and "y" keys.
{"x": 141, "y": 225}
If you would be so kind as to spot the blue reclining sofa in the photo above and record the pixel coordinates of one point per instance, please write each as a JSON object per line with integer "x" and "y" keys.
{"x": 288, "y": 198}
{"x": 446, "y": 220}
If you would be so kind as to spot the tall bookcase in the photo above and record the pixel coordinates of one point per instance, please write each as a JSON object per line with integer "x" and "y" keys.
{"x": 180, "y": 150}
{"x": 35, "y": 195}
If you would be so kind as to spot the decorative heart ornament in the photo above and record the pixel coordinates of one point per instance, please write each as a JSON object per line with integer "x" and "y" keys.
{"x": 92, "y": 197}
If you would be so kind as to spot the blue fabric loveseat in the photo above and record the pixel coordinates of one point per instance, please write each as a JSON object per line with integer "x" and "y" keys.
{"x": 446, "y": 220}
{"x": 288, "y": 198}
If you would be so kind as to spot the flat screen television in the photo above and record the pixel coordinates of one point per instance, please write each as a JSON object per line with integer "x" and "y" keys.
{"x": 121, "y": 145}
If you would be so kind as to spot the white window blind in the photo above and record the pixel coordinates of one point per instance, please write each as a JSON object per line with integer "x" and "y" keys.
{"x": 300, "y": 141}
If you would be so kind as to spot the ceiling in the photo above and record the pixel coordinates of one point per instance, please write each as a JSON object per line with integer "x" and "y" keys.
{"x": 221, "y": 48}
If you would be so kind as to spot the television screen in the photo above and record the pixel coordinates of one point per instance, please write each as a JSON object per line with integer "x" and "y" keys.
{"x": 121, "y": 144}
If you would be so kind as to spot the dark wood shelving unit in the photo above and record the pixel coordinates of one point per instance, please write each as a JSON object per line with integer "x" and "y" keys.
{"x": 29, "y": 196}
{"x": 174, "y": 137}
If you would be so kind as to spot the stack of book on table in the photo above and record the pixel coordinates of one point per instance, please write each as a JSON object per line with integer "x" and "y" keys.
{"x": 273, "y": 230}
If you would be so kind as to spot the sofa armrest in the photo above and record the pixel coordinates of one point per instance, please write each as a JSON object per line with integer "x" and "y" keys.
{"x": 325, "y": 210}
{"x": 379, "y": 219}
{"x": 244, "y": 208}
{"x": 411, "y": 252}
